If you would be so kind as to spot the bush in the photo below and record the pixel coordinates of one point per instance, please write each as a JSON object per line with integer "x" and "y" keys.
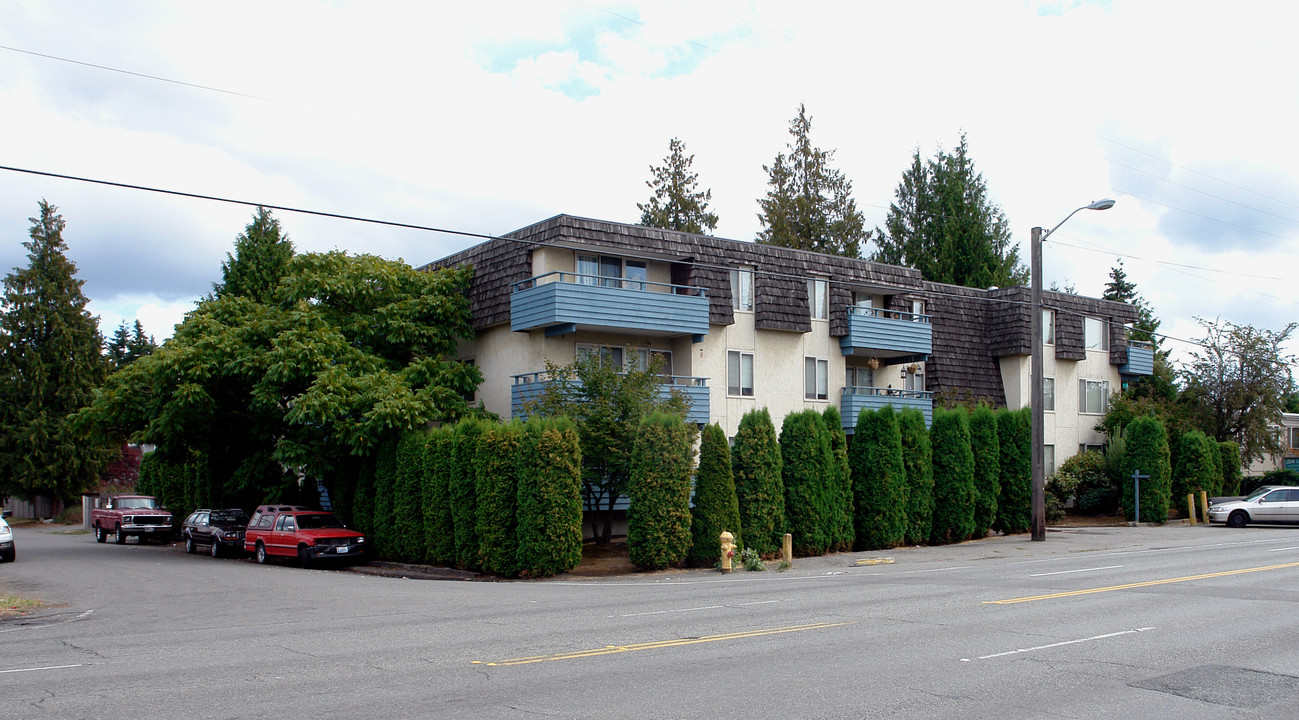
{"x": 381, "y": 533}
{"x": 496, "y": 493}
{"x": 1230, "y": 453}
{"x": 408, "y": 498}
{"x": 1079, "y": 475}
{"x": 439, "y": 466}
{"x": 953, "y": 463}
{"x": 1146, "y": 452}
{"x": 1098, "y": 501}
{"x": 879, "y": 480}
{"x": 549, "y": 475}
{"x": 363, "y": 498}
{"x": 715, "y": 510}
{"x": 843, "y": 535}
{"x": 1193, "y": 467}
{"x": 808, "y": 472}
{"x": 658, "y": 518}
{"x": 986, "y": 448}
{"x": 759, "y": 489}
{"x": 1015, "y": 500}
{"x": 460, "y": 487}
{"x": 917, "y": 460}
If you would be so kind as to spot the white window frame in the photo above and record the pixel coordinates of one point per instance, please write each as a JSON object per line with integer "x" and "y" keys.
{"x": 816, "y": 378}
{"x": 917, "y": 309}
{"x": 1095, "y": 335}
{"x": 914, "y": 380}
{"x": 1084, "y": 385}
{"x": 1048, "y": 394}
{"x": 1294, "y": 438}
{"x": 1048, "y": 460}
{"x": 736, "y": 381}
{"x": 742, "y": 289}
{"x": 818, "y": 298}
{"x": 1048, "y": 327}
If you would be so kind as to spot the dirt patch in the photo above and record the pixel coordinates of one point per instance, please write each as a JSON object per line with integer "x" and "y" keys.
{"x": 1091, "y": 521}
{"x": 604, "y": 560}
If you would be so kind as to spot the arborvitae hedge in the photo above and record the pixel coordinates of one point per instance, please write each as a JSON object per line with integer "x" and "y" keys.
{"x": 496, "y": 491}
{"x": 382, "y": 537}
{"x": 464, "y": 507}
{"x": 166, "y": 480}
{"x": 408, "y": 499}
{"x": 658, "y": 518}
{"x": 1015, "y": 501}
{"x": 439, "y": 464}
{"x": 1146, "y": 451}
{"x": 844, "y": 534}
{"x": 716, "y": 509}
{"x": 879, "y": 480}
{"x": 1193, "y": 468}
{"x": 954, "y": 493}
{"x": 809, "y": 473}
{"x": 1215, "y": 451}
{"x": 756, "y": 466}
{"x": 363, "y": 499}
{"x": 549, "y": 475}
{"x": 917, "y": 458}
{"x": 1230, "y": 453}
{"x": 986, "y": 447}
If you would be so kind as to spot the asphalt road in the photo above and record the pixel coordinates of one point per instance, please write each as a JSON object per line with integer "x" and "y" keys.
{"x": 1183, "y": 622}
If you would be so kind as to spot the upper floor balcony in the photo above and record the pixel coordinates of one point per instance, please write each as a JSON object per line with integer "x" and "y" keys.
{"x": 1141, "y": 359}
{"x": 854, "y": 399}
{"x": 527, "y": 387}
{"x": 565, "y": 302}
{"x": 887, "y": 333}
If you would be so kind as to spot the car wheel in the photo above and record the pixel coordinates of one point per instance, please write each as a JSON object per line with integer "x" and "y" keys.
{"x": 189, "y": 545}
{"x": 9, "y": 557}
{"x": 120, "y": 539}
{"x": 1237, "y": 519}
{"x": 304, "y": 559}
{"x": 216, "y": 548}
{"x": 100, "y": 535}
{"x": 260, "y": 553}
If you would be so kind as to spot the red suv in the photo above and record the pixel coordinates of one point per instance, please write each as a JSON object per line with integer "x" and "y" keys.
{"x": 291, "y": 530}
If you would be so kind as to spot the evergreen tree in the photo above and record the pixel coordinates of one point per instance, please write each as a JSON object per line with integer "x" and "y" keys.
{"x": 1014, "y": 504}
{"x": 917, "y": 458}
{"x": 1146, "y": 328}
{"x": 756, "y": 465}
{"x": 844, "y": 533}
{"x": 50, "y": 363}
{"x": 118, "y": 346}
{"x": 808, "y": 473}
{"x": 139, "y": 345}
{"x": 1193, "y": 467}
{"x": 809, "y": 205}
{"x": 1231, "y": 470}
{"x": 496, "y": 491}
{"x": 658, "y": 519}
{"x": 879, "y": 480}
{"x": 716, "y": 508}
{"x": 954, "y": 492}
{"x": 1146, "y": 452}
{"x": 439, "y": 466}
{"x": 260, "y": 259}
{"x": 677, "y": 203}
{"x": 986, "y": 447}
{"x": 944, "y": 225}
{"x": 549, "y": 509}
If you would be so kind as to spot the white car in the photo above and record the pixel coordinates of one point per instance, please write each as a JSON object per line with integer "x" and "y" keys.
{"x": 6, "y": 539}
{"x": 1267, "y": 504}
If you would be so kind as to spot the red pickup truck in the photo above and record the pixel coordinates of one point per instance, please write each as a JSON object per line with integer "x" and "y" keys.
{"x": 126, "y": 515}
{"x": 310, "y": 535}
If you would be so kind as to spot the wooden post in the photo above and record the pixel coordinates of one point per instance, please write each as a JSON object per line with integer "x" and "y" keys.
{"x": 787, "y": 550}
{"x": 1190, "y": 507}
{"x": 1204, "y": 506}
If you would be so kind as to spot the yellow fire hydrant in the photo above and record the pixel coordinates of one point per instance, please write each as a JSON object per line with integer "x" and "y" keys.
{"x": 728, "y": 550}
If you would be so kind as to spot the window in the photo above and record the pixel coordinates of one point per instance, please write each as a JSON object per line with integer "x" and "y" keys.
{"x": 643, "y": 357}
{"x": 739, "y": 373}
{"x": 917, "y": 309}
{"x": 608, "y": 355}
{"x": 817, "y": 302}
{"x": 1093, "y": 396}
{"x": 1048, "y": 394}
{"x": 863, "y": 299}
{"x": 862, "y": 377}
{"x": 816, "y": 380}
{"x": 1094, "y": 335}
{"x": 637, "y": 275}
{"x": 742, "y": 289}
{"x": 588, "y": 266}
{"x": 1084, "y": 447}
{"x": 1048, "y": 460}
{"x": 1294, "y": 438}
{"x": 610, "y": 271}
{"x": 1048, "y": 327}
{"x": 915, "y": 380}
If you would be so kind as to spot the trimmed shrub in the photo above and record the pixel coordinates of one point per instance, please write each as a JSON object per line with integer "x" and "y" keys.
{"x": 385, "y": 475}
{"x": 715, "y": 510}
{"x": 1193, "y": 468}
{"x": 986, "y": 448}
{"x": 1079, "y": 475}
{"x": 1229, "y": 451}
{"x": 496, "y": 492}
{"x": 363, "y": 498}
{"x": 460, "y": 487}
{"x": 759, "y": 488}
{"x": 879, "y": 480}
{"x": 439, "y": 465}
{"x": 658, "y": 518}
{"x": 1146, "y": 453}
{"x": 808, "y": 472}
{"x": 917, "y": 458}
{"x": 1215, "y": 452}
{"x": 408, "y": 498}
{"x": 549, "y": 511}
{"x": 1015, "y": 501}
{"x": 953, "y": 464}
{"x": 843, "y": 534}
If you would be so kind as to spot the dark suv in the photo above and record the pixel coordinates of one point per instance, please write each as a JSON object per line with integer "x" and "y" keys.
{"x": 221, "y": 530}
{"x": 310, "y": 535}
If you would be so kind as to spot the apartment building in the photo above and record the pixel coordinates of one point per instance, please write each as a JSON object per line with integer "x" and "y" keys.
{"x": 740, "y": 325}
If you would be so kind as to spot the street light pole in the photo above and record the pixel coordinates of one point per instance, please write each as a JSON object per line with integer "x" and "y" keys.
{"x": 1036, "y": 372}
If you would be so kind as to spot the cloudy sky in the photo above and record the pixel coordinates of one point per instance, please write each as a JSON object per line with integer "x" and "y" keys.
{"x": 489, "y": 116}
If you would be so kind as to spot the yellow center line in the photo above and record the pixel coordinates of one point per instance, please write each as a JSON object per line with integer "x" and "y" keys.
{"x": 1147, "y": 583}
{"x": 611, "y": 649}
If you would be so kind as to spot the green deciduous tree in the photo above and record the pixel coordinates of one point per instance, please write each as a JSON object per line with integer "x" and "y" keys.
{"x": 1014, "y": 504}
{"x": 658, "y": 518}
{"x": 879, "y": 480}
{"x": 944, "y": 225}
{"x": 677, "y": 203}
{"x": 716, "y": 509}
{"x": 917, "y": 457}
{"x": 808, "y": 472}
{"x": 1146, "y": 452}
{"x": 756, "y": 465}
{"x": 50, "y": 364}
{"x": 809, "y": 205}
{"x": 986, "y": 447}
{"x": 954, "y": 492}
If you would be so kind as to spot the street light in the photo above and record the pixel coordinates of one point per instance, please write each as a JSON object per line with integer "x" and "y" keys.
{"x": 1036, "y": 371}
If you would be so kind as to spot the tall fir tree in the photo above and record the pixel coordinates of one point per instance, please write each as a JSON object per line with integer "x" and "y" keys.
{"x": 677, "y": 204}
{"x": 943, "y": 224}
{"x": 260, "y": 259}
{"x": 809, "y": 205}
{"x": 1146, "y": 328}
{"x": 50, "y": 363}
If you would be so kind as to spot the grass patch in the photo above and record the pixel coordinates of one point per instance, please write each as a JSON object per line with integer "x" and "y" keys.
{"x": 14, "y": 605}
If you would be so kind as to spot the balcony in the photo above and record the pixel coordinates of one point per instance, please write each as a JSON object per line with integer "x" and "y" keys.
{"x": 887, "y": 334}
{"x": 564, "y": 302}
{"x": 854, "y": 399}
{"x": 1141, "y": 359}
{"x": 527, "y": 387}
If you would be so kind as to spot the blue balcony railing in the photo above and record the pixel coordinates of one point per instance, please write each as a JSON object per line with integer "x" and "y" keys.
{"x": 564, "y": 302}
{"x": 855, "y": 398}
{"x": 1141, "y": 359}
{"x": 887, "y": 333}
{"x": 528, "y": 386}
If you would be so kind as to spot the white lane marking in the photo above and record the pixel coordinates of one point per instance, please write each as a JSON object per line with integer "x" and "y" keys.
{"x": 1066, "y": 572}
{"x": 1060, "y": 644}
{"x": 693, "y": 609}
{"x": 1284, "y": 548}
{"x": 47, "y": 667}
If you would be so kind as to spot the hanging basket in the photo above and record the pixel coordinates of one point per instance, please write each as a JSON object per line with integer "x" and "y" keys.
{"x": 873, "y": 364}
